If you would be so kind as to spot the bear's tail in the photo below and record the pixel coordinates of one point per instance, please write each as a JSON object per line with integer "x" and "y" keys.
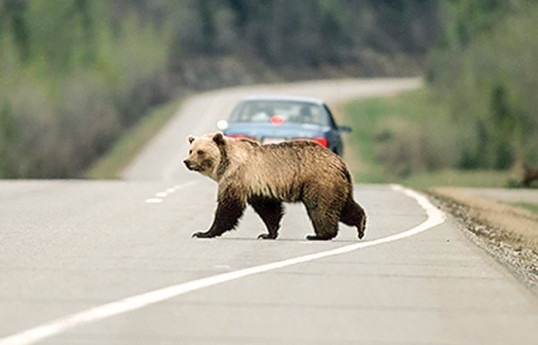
{"x": 353, "y": 215}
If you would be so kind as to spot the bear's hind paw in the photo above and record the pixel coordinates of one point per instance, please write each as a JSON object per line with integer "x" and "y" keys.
{"x": 267, "y": 236}
{"x": 202, "y": 235}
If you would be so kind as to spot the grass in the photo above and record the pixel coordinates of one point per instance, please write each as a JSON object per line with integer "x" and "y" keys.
{"x": 369, "y": 117}
{"x": 462, "y": 178}
{"x": 527, "y": 206}
{"x": 131, "y": 142}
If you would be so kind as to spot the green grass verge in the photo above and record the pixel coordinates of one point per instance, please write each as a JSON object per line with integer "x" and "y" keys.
{"x": 460, "y": 178}
{"x": 131, "y": 142}
{"x": 527, "y": 206}
{"x": 368, "y": 118}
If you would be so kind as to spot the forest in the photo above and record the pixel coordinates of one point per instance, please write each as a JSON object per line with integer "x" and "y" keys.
{"x": 484, "y": 67}
{"x": 477, "y": 114}
{"x": 75, "y": 74}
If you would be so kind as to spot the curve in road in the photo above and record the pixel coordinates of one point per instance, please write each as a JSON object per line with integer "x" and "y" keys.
{"x": 71, "y": 246}
{"x": 435, "y": 217}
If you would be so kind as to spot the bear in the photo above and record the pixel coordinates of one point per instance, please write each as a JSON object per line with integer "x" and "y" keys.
{"x": 265, "y": 176}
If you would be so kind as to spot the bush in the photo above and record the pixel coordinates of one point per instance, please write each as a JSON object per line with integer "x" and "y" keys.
{"x": 406, "y": 146}
{"x": 488, "y": 76}
{"x": 75, "y": 73}
{"x": 78, "y": 82}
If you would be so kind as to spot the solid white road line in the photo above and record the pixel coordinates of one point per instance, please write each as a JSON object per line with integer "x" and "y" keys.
{"x": 435, "y": 217}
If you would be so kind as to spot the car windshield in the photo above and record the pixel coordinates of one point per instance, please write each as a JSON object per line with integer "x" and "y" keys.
{"x": 265, "y": 111}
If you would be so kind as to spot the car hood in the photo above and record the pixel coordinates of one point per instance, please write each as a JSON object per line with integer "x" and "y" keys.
{"x": 286, "y": 130}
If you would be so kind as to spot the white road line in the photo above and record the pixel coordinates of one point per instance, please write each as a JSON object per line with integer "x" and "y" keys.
{"x": 435, "y": 217}
{"x": 159, "y": 197}
{"x": 154, "y": 200}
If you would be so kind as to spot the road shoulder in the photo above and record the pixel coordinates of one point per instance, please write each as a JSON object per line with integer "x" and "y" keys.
{"x": 506, "y": 232}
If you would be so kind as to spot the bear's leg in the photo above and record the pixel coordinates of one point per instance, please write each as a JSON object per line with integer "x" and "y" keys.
{"x": 270, "y": 211}
{"x": 324, "y": 220}
{"x": 353, "y": 215}
{"x": 229, "y": 210}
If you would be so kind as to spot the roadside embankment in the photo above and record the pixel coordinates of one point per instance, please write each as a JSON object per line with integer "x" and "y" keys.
{"x": 509, "y": 233}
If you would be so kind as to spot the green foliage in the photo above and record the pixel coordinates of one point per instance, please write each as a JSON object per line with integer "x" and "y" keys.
{"x": 310, "y": 32}
{"x": 466, "y": 20}
{"x": 410, "y": 139}
{"x": 131, "y": 142}
{"x": 75, "y": 74}
{"x": 70, "y": 82}
{"x": 482, "y": 112}
{"x": 400, "y": 136}
{"x": 528, "y": 206}
{"x": 486, "y": 71}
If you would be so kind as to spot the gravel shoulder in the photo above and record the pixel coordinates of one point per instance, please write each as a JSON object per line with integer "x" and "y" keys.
{"x": 507, "y": 232}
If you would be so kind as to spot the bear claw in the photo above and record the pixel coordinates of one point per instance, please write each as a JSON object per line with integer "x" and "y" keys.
{"x": 267, "y": 236}
{"x": 201, "y": 235}
{"x": 318, "y": 238}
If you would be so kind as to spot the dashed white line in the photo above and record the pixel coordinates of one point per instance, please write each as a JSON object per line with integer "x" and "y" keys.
{"x": 154, "y": 200}
{"x": 160, "y": 196}
{"x": 435, "y": 217}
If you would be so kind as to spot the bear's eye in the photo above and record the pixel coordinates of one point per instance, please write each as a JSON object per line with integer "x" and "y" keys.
{"x": 190, "y": 152}
{"x": 200, "y": 152}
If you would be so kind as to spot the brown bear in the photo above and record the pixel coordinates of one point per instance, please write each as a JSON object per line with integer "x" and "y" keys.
{"x": 264, "y": 176}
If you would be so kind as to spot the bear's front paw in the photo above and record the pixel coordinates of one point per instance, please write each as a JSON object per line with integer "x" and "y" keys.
{"x": 202, "y": 235}
{"x": 267, "y": 236}
{"x": 319, "y": 238}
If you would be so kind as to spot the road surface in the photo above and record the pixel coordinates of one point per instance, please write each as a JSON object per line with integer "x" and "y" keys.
{"x": 112, "y": 262}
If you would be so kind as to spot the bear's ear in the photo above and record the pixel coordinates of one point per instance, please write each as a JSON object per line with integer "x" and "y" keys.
{"x": 219, "y": 138}
{"x": 191, "y": 139}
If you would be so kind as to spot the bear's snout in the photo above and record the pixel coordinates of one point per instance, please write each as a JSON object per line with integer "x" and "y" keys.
{"x": 188, "y": 164}
{"x": 193, "y": 166}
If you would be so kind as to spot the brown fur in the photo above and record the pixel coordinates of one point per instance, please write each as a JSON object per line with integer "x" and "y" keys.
{"x": 264, "y": 176}
{"x": 530, "y": 174}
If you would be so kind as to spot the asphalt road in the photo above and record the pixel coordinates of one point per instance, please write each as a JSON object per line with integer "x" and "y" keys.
{"x": 112, "y": 262}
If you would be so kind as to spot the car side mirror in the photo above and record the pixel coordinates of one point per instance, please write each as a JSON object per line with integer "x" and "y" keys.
{"x": 344, "y": 129}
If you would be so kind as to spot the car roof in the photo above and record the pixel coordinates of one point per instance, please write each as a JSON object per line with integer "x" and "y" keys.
{"x": 284, "y": 98}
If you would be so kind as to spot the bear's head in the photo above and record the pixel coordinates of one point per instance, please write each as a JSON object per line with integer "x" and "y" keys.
{"x": 205, "y": 154}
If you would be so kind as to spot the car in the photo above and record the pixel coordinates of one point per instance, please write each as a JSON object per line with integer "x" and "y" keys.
{"x": 272, "y": 119}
